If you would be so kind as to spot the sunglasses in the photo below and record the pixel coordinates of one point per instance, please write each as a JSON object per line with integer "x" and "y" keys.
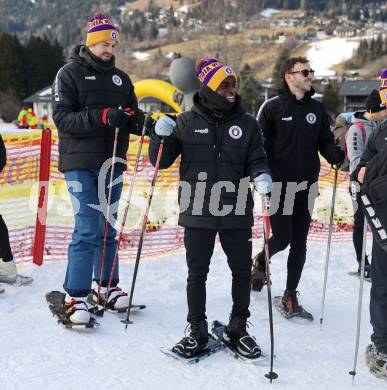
{"x": 304, "y": 72}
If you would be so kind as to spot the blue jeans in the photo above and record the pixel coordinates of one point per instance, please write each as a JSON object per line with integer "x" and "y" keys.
{"x": 85, "y": 249}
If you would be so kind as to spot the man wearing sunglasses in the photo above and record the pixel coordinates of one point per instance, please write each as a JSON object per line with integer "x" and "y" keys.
{"x": 295, "y": 128}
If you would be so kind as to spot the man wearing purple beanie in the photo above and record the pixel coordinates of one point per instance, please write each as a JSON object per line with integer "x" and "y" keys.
{"x": 221, "y": 152}
{"x": 91, "y": 99}
{"x": 376, "y": 352}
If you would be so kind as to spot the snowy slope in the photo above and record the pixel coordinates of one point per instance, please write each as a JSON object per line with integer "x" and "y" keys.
{"x": 326, "y": 53}
{"x": 36, "y": 353}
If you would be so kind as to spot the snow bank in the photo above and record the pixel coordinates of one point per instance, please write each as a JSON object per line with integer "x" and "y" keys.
{"x": 269, "y": 12}
{"x": 141, "y": 56}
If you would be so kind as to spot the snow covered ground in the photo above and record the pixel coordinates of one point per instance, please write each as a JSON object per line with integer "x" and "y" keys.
{"x": 36, "y": 353}
{"x": 326, "y": 53}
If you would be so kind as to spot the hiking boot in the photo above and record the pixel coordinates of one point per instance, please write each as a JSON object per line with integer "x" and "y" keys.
{"x": 376, "y": 359}
{"x": 8, "y": 271}
{"x": 76, "y": 310}
{"x": 196, "y": 342}
{"x": 367, "y": 271}
{"x": 117, "y": 299}
{"x": 290, "y": 302}
{"x": 236, "y": 335}
{"x": 258, "y": 273}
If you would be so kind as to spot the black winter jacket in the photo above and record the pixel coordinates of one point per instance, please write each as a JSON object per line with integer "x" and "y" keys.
{"x": 214, "y": 150}
{"x": 81, "y": 91}
{"x": 294, "y": 132}
{"x": 376, "y": 142}
{"x": 3, "y": 155}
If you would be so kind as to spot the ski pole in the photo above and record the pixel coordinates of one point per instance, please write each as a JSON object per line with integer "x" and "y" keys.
{"x": 127, "y": 321}
{"x": 148, "y": 122}
{"x": 360, "y": 300}
{"x": 329, "y": 244}
{"x": 99, "y": 310}
{"x": 266, "y": 233}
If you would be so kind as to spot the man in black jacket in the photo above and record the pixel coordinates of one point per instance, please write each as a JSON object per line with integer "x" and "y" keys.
{"x": 295, "y": 129}
{"x": 376, "y": 353}
{"x": 8, "y": 271}
{"x": 221, "y": 152}
{"x": 91, "y": 98}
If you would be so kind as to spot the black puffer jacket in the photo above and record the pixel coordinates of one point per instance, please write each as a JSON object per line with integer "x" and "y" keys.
{"x": 213, "y": 149}
{"x": 294, "y": 132}
{"x": 377, "y": 141}
{"x": 3, "y": 155}
{"x": 82, "y": 89}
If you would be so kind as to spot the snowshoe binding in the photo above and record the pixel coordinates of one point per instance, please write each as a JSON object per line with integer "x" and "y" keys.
{"x": 71, "y": 314}
{"x": 117, "y": 300}
{"x": 376, "y": 360}
{"x": 289, "y": 306}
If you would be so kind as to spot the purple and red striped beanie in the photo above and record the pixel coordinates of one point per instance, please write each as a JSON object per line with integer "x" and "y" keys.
{"x": 212, "y": 72}
{"x": 100, "y": 29}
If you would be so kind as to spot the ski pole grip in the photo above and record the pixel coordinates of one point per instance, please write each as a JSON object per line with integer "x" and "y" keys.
{"x": 149, "y": 121}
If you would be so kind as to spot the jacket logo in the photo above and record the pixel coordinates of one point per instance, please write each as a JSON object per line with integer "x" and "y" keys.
{"x": 202, "y": 131}
{"x": 235, "y": 132}
{"x": 90, "y": 78}
{"x": 374, "y": 219}
{"x": 117, "y": 80}
{"x": 287, "y": 119}
{"x": 311, "y": 118}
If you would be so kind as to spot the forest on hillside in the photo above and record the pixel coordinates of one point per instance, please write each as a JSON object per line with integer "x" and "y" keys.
{"x": 56, "y": 20}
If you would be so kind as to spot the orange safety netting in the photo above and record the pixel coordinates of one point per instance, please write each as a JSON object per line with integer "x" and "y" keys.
{"x": 19, "y": 189}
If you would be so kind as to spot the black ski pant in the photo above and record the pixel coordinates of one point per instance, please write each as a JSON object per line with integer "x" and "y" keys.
{"x": 358, "y": 226}
{"x": 378, "y": 301}
{"x": 199, "y": 245}
{"x": 5, "y": 247}
{"x": 290, "y": 229}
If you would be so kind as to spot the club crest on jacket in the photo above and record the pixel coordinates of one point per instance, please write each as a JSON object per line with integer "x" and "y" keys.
{"x": 235, "y": 132}
{"x": 311, "y": 118}
{"x": 117, "y": 80}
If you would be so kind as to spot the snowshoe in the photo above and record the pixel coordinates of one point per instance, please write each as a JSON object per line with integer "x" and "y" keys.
{"x": 117, "y": 301}
{"x": 218, "y": 329}
{"x": 376, "y": 360}
{"x": 289, "y": 307}
{"x": 71, "y": 314}
{"x": 20, "y": 281}
{"x": 196, "y": 346}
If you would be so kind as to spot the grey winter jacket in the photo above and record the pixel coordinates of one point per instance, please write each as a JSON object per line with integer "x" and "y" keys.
{"x": 355, "y": 141}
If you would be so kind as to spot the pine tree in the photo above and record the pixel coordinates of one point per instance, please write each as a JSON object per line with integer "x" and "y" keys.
{"x": 276, "y": 77}
{"x": 250, "y": 90}
{"x": 331, "y": 99}
{"x": 11, "y": 65}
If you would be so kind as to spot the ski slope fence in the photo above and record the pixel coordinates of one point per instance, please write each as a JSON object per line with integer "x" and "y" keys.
{"x": 35, "y": 204}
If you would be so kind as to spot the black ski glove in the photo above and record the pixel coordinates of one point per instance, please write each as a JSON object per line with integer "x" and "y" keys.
{"x": 338, "y": 157}
{"x": 115, "y": 117}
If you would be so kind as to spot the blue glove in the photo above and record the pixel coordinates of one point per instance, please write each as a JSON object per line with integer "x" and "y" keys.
{"x": 164, "y": 126}
{"x": 263, "y": 184}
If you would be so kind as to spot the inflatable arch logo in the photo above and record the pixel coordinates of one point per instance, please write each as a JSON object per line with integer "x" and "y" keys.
{"x": 161, "y": 90}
